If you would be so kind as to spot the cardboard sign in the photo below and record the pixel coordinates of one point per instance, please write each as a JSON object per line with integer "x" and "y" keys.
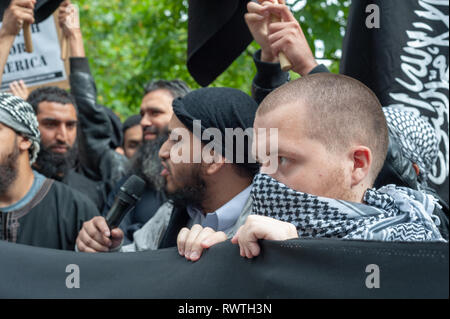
{"x": 42, "y": 67}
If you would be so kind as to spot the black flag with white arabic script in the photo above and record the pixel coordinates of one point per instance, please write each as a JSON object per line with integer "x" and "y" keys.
{"x": 42, "y": 10}
{"x": 400, "y": 50}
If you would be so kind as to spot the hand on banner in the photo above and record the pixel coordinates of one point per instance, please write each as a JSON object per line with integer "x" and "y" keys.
{"x": 261, "y": 227}
{"x": 95, "y": 236}
{"x": 20, "y": 89}
{"x": 18, "y": 12}
{"x": 191, "y": 242}
{"x": 287, "y": 36}
{"x": 258, "y": 21}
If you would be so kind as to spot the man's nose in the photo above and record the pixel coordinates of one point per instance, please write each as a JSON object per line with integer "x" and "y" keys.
{"x": 164, "y": 151}
{"x": 61, "y": 134}
{"x": 146, "y": 121}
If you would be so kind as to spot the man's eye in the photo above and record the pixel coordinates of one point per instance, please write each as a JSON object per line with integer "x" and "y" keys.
{"x": 282, "y": 160}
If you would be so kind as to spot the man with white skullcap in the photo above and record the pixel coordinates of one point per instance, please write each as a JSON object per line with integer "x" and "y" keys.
{"x": 34, "y": 210}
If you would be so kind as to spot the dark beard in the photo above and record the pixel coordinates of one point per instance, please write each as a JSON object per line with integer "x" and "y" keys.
{"x": 8, "y": 170}
{"x": 53, "y": 165}
{"x": 192, "y": 194}
{"x": 147, "y": 164}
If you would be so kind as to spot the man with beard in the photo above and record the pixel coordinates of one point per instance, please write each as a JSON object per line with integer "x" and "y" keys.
{"x": 58, "y": 155}
{"x": 156, "y": 111}
{"x": 209, "y": 188}
{"x": 34, "y": 210}
{"x": 147, "y": 165}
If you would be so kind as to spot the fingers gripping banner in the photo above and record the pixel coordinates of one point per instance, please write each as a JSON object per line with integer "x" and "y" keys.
{"x": 291, "y": 269}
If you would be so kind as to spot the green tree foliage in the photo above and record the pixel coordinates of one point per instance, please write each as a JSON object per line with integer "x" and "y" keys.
{"x": 132, "y": 42}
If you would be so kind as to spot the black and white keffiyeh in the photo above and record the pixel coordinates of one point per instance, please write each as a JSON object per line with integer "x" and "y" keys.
{"x": 20, "y": 116}
{"x": 390, "y": 213}
{"x": 416, "y": 136}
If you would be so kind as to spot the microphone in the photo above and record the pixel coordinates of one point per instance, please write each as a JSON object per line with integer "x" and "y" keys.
{"x": 130, "y": 192}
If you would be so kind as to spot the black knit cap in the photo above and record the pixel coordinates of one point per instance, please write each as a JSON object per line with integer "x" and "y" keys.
{"x": 220, "y": 108}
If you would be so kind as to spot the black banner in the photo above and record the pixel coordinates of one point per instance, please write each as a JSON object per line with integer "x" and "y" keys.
{"x": 291, "y": 269}
{"x": 400, "y": 50}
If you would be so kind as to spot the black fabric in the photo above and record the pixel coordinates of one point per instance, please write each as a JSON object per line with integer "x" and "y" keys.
{"x": 291, "y": 269}
{"x": 93, "y": 190}
{"x": 269, "y": 76}
{"x": 42, "y": 9}
{"x": 397, "y": 169}
{"x": 117, "y": 128}
{"x": 54, "y": 221}
{"x": 145, "y": 208}
{"x": 219, "y": 108}
{"x": 79, "y": 64}
{"x": 217, "y": 35}
{"x": 405, "y": 62}
{"x": 178, "y": 220}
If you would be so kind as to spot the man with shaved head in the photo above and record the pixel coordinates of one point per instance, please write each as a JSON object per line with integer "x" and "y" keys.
{"x": 331, "y": 128}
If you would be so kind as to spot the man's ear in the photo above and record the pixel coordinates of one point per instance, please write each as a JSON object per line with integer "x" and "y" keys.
{"x": 23, "y": 142}
{"x": 215, "y": 163}
{"x": 361, "y": 158}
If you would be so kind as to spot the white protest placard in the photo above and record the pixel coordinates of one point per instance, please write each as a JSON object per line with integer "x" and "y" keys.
{"x": 41, "y": 67}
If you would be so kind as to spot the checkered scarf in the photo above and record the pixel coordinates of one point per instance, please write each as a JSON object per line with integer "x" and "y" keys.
{"x": 390, "y": 213}
{"x": 416, "y": 136}
{"x": 20, "y": 116}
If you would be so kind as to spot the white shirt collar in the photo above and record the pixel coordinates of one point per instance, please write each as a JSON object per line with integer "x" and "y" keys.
{"x": 224, "y": 217}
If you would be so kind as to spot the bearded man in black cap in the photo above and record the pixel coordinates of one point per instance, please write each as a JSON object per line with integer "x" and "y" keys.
{"x": 208, "y": 174}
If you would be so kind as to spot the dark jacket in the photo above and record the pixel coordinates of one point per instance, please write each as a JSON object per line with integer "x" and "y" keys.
{"x": 269, "y": 76}
{"x": 98, "y": 160}
{"x": 93, "y": 190}
{"x": 52, "y": 219}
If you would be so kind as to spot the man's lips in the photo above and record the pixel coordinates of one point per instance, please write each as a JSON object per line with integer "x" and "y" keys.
{"x": 150, "y": 132}
{"x": 149, "y": 135}
{"x": 59, "y": 149}
{"x": 165, "y": 172}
